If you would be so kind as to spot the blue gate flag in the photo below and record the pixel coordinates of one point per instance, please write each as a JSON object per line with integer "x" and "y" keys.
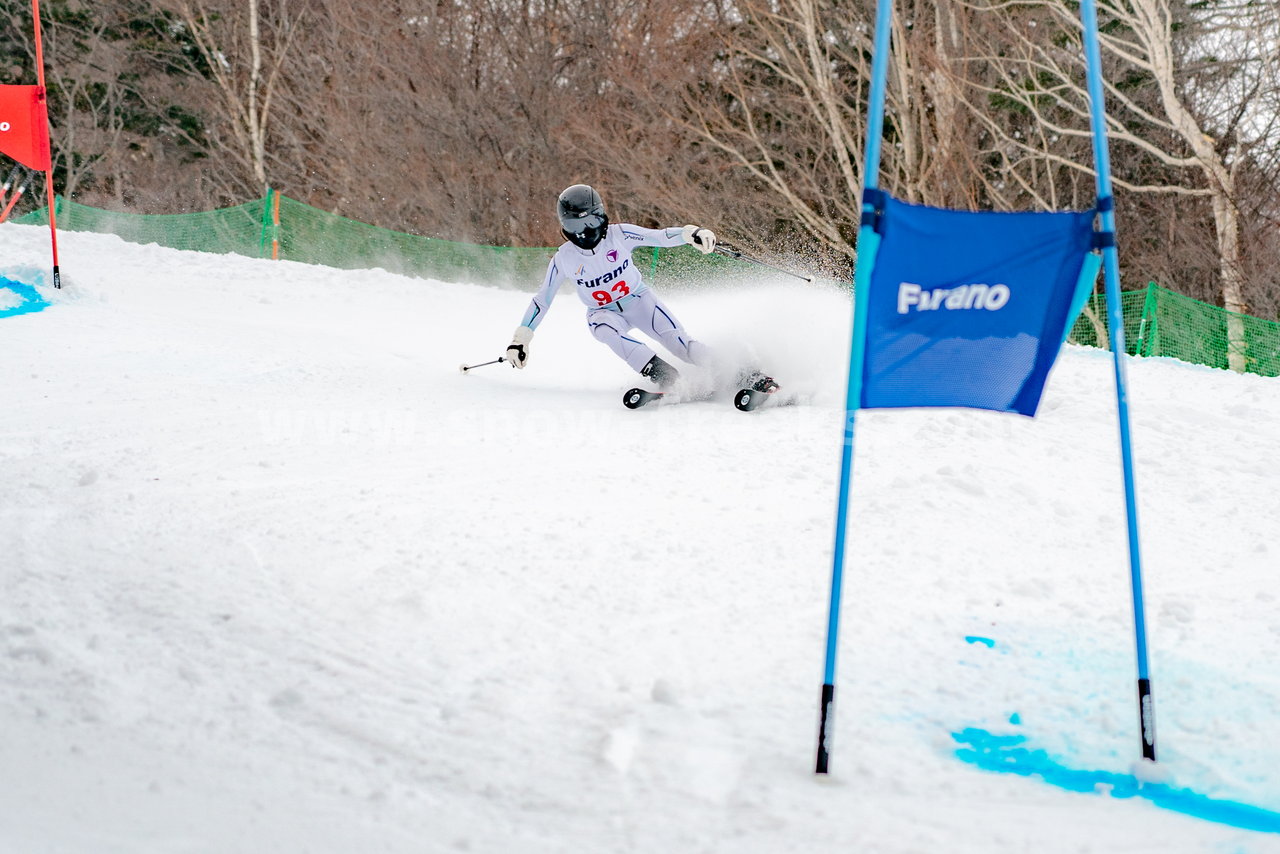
{"x": 970, "y": 309}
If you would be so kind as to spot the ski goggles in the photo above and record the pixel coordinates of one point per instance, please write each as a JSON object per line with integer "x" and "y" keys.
{"x": 584, "y": 224}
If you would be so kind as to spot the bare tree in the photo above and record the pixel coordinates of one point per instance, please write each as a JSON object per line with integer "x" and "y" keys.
{"x": 1187, "y": 125}
{"x": 97, "y": 108}
{"x": 239, "y": 48}
{"x": 783, "y": 107}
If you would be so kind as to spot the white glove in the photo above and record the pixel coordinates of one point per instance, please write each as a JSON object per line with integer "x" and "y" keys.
{"x": 703, "y": 238}
{"x": 518, "y": 352}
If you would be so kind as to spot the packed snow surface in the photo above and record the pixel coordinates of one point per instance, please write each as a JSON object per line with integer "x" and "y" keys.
{"x": 277, "y": 577}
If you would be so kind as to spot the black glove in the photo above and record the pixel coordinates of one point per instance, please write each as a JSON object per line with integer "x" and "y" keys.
{"x": 703, "y": 238}
{"x": 518, "y": 352}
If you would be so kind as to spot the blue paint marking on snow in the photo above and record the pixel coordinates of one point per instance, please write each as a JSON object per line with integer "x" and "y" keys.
{"x": 1007, "y": 753}
{"x": 987, "y": 642}
{"x": 1015, "y": 719}
{"x": 31, "y": 299}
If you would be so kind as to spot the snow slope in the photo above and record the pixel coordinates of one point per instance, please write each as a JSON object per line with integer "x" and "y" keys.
{"x": 278, "y": 578}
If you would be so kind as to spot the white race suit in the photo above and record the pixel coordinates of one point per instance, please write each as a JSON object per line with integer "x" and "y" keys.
{"x": 617, "y": 298}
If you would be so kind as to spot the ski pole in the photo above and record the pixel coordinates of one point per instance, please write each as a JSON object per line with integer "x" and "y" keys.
{"x": 465, "y": 368}
{"x": 735, "y": 254}
{"x": 17, "y": 194}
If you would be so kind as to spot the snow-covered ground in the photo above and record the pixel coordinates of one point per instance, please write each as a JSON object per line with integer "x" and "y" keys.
{"x": 278, "y": 578}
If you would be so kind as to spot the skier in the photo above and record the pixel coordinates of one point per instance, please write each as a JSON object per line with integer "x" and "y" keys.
{"x": 597, "y": 258}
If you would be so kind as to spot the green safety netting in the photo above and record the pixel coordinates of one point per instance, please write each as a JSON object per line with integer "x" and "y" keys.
{"x": 314, "y": 236}
{"x": 1193, "y": 331}
{"x": 237, "y": 229}
{"x": 280, "y": 227}
{"x": 1158, "y": 322}
{"x": 1092, "y": 326}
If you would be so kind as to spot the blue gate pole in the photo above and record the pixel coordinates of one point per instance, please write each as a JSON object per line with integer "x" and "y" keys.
{"x": 1110, "y": 257}
{"x": 868, "y": 243}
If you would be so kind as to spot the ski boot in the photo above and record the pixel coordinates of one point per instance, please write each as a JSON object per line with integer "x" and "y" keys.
{"x": 662, "y": 373}
{"x": 758, "y": 381}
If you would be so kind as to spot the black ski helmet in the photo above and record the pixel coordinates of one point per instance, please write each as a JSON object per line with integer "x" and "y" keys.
{"x": 582, "y": 216}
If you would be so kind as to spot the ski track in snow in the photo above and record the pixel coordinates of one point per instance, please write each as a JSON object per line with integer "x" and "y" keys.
{"x": 277, "y": 577}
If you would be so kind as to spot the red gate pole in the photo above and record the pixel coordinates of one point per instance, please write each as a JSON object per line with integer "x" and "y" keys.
{"x": 48, "y": 175}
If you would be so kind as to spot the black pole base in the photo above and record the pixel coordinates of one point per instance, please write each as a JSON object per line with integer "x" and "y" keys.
{"x": 1147, "y": 719}
{"x": 825, "y": 719}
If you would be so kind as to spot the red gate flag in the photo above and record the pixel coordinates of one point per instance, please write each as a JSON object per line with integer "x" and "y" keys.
{"x": 24, "y": 126}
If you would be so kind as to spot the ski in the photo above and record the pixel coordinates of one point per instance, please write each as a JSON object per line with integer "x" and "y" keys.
{"x": 748, "y": 399}
{"x": 638, "y": 397}
{"x": 756, "y": 389}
